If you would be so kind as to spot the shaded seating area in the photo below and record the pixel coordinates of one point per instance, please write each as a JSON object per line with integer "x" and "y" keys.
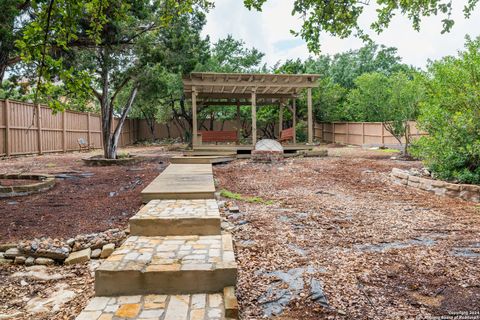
{"x": 248, "y": 89}
{"x": 217, "y": 136}
{"x": 287, "y": 135}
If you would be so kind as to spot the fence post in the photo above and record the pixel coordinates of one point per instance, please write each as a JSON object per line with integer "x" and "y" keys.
{"x": 363, "y": 133}
{"x": 348, "y": 133}
{"x": 333, "y": 132}
{"x": 39, "y": 129}
{"x": 383, "y": 134}
{"x": 7, "y": 127}
{"x": 89, "y": 139}
{"x": 64, "y": 131}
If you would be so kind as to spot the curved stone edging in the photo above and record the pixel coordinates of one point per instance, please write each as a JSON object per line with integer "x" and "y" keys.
{"x": 442, "y": 188}
{"x": 102, "y": 162}
{"x": 45, "y": 182}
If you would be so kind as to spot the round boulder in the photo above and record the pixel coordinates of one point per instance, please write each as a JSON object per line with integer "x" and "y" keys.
{"x": 267, "y": 150}
{"x": 269, "y": 145}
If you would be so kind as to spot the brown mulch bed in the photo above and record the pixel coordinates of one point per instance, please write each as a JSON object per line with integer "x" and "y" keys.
{"x": 335, "y": 208}
{"x": 90, "y": 199}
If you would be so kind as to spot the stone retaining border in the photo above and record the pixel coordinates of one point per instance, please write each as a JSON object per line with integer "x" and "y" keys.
{"x": 44, "y": 182}
{"x": 467, "y": 192}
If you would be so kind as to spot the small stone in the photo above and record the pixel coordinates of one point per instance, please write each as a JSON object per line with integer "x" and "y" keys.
{"x": 128, "y": 310}
{"x": 12, "y": 253}
{"x": 30, "y": 261}
{"x": 44, "y": 261}
{"x": 6, "y": 246}
{"x": 5, "y": 261}
{"x": 20, "y": 260}
{"x": 107, "y": 250}
{"x": 71, "y": 242}
{"x": 234, "y": 209}
{"x": 96, "y": 253}
{"x": 78, "y": 256}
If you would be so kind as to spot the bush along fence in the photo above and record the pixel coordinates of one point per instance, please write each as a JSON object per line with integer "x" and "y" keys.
{"x": 29, "y": 129}
{"x": 360, "y": 133}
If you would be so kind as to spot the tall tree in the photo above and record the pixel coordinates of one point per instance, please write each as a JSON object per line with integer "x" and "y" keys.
{"x": 14, "y": 17}
{"x": 97, "y": 50}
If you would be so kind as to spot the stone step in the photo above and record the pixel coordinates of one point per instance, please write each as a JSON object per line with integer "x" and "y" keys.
{"x": 182, "y": 181}
{"x": 164, "y": 307}
{"x": 168, "y": 265}
{"x": 177, "y": 218}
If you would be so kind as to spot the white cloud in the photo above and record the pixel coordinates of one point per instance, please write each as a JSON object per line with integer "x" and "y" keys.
{"x": 269, "y": 31}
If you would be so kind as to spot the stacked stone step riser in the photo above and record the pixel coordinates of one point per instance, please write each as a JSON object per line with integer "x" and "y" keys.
{"x": 170, "y": 265}
{"x": 167, "y": 282}
{"x": 177, "y": 218}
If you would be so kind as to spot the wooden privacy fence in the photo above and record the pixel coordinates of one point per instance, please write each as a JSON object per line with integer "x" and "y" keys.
{"x": 23, "y": 131}
{"x": 360, "y": 133}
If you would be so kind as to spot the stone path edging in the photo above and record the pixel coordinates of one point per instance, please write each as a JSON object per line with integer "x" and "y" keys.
{"x": 442, "y": 188}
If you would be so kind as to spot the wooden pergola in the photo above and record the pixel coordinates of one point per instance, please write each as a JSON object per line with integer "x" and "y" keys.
{"x": 208, "y": 88}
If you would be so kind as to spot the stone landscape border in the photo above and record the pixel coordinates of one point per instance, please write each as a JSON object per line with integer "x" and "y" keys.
{"x": 463, "y": 191}
{"x": 99, "y": 161}
{"x": 43, "y": 182}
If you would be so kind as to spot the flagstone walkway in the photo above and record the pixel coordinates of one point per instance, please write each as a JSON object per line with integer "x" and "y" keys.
{"x": 176, "y": 264}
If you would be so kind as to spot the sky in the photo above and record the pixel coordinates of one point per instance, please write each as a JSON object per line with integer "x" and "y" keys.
{"x": 269, "y": 31}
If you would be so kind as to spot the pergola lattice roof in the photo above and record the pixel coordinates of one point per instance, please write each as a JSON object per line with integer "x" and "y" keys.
{"x": 212, "y": 85}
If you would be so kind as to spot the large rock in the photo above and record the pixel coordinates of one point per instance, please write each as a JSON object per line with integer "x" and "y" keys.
{"x": 79, "y": 256}
{"x": 269, "y": 145}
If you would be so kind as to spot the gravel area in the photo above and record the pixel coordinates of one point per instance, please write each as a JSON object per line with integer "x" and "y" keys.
{"x": 372, "y": 249}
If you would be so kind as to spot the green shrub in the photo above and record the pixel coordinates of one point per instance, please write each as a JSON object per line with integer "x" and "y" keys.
{"x": 450, "y": 115}
{"x": 301, "y": 132}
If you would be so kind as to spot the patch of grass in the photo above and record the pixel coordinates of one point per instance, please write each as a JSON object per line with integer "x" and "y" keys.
{"x": 389, "y": 150}
{"x": 50, "y": 165}
{"x": 123, "y": 155}
{"x": 237, "y": 196}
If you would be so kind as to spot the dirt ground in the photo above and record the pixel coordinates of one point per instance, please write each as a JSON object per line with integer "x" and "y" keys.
{"x": 380, "y": 250}
{"x": 88, "y": 199}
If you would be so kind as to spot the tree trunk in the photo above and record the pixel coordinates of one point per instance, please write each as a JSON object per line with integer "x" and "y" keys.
{"x": 121, "y": 121}
{"x": 3, "y": 65}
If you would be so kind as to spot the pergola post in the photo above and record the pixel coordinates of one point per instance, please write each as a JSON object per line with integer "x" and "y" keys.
{"x": 294, "y": 120}
{"x": 280, "y": 118}
{"x": 310, "y": 116}
{"x": 194, "y": 117}
{"x": 239, "y": 122}
{"x": 254, "y": 117}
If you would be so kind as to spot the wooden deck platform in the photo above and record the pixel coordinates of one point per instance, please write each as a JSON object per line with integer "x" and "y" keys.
{"x": 182, "y": 181}
{"x": 201, "y": 159}
{"x": 225, "y": 149}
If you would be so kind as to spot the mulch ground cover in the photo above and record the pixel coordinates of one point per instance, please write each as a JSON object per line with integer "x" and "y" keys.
{"x": 380, "y": 250}
{"x": 84, "y": 199}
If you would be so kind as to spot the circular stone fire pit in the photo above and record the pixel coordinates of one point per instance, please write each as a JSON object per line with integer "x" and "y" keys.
{"x": 14, "y": 184}
{"x": 100, "y": 161}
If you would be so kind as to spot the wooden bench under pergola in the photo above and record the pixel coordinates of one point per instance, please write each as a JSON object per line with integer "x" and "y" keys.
{"x": 222, "y": 89}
